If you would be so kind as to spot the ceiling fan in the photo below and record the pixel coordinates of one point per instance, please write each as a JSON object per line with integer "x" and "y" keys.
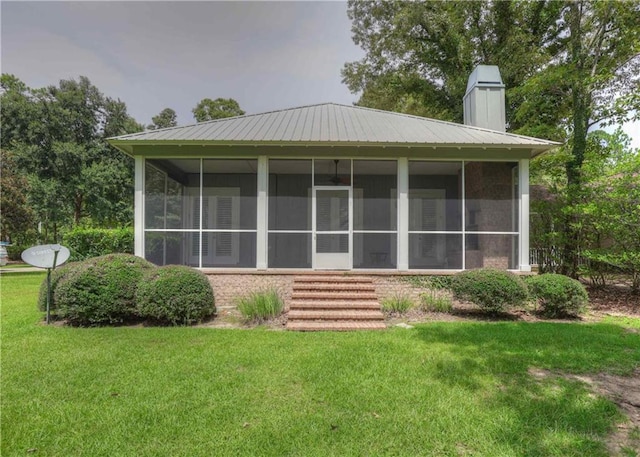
{"x": 335, "y": 179}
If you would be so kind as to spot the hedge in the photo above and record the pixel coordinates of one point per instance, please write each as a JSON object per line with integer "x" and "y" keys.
{"x": 492, "y": 290}
{"x": 85, "y": 243}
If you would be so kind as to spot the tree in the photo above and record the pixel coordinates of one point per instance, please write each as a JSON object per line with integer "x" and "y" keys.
{"x": 16, "y": 216}
{"x": 58, "y": 137}
{"x": 568, "y": 66}
{"x": 219, "y": 108}
{"x": 166, "y": 118}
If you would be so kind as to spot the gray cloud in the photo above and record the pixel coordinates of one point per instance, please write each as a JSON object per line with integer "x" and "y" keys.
{"x": 152, "y": 55}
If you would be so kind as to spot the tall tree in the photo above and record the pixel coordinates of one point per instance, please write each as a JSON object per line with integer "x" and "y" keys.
{"x": 58, "y": 137}
{"x": 567, "y": 65}
{"x": 166, "y": 118}
{"x": 219, "y": 108}
{"x": 16, "y": 216}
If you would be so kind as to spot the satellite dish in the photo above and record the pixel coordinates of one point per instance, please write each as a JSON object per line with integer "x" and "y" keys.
{"x": 43, "y": 256}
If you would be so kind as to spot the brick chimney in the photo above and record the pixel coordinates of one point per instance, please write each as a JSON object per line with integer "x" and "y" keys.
{"x": 484, "y": 103}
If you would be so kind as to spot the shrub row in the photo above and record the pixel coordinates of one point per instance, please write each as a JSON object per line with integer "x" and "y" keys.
{"x": 122, "y": 288}
{"x": 85, "y": 243}
{"x": 497, "y": 290}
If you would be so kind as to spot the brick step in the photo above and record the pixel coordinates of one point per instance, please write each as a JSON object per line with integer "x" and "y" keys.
{"x": 344, "y": 314}
{"x": 333, "y": 304}
{"x": 318, "y": 326}
{"x": 346, "y": 295}
{"x": 332, "y": 279}
{"x": 336, "y": 287}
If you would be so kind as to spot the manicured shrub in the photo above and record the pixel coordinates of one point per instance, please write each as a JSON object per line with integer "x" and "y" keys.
{"x": 101, "y": 290}
{"x": 260, "y": 306}
{"x": 398, "y": 304}
{"x": 436, "y": 301}
{"x": 85, "y": 243}
{"x": 558, "y": 295}
{"x": 57, "y": 275}
{"x": 493, "y": 290}
{"x": 175, "y": 295}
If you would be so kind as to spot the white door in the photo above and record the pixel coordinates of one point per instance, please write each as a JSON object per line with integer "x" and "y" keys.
{"x": 332, "y": 230}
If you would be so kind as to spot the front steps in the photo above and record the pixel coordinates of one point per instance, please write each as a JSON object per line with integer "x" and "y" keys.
{"x": 334, "y": 303}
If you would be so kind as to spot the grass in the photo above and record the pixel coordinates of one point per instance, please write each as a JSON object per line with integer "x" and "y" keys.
{"x": 442, "y": 389}
{"x": 397, "y": 304}
{"x": 437, "y": 301}
{"x": 260, "y": 306}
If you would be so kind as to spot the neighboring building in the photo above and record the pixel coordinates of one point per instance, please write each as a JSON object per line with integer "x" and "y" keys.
{"x": 338, "y": 187}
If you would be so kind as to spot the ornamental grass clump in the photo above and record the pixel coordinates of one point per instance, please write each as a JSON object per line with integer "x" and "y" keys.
{"x": 175, "y": 295}
{"x": 260, "y": 306}
{"x": 101, "y": 290}
{"x": 493, "y": 290}
{"x": 558, "y": 295}
{"x": 436, "y": 301}
{"x": 397, "y": 304}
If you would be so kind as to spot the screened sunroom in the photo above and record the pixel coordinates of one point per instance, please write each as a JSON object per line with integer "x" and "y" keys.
{"x": 337, "y": 213}
{"x": 332, "y": 187}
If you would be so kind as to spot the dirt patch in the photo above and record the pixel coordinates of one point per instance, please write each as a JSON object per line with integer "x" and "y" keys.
{"x": 624, "y": 391}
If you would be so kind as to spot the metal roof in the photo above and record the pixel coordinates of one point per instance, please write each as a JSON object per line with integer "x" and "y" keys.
{"x": 334, "y": 124}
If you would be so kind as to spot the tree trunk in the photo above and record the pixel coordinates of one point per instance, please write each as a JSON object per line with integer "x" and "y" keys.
{"x": 580, "y": 100}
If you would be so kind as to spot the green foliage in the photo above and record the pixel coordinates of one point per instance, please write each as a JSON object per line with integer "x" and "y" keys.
{"x": 219, "y": 108}
{"x": 397, "y": 304}
{"x": 85, "y": 243}
{"x": 492, "y": 290}
{"x": 260, "y": 306}
{"x": 558, "y": 295}
{"x": 175, "y": 295}
{"x": 57, "y": 275}
{"x": 17, "y": 215}
{"x": 429, "y": 281}
{"x": 101, "y": 290}
{"x": 436, "y": 301}
{"x": 57, "y": 134}
{"x": 166, "y": 118}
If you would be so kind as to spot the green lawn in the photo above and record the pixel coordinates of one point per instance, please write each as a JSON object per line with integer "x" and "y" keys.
{"x": 439, "y": 389}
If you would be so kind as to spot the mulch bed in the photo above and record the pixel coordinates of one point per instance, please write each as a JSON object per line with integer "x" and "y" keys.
{"x": 614, "y": 299}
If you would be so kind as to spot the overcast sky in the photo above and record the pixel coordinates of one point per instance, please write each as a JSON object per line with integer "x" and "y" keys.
{"x": 154, "y": 55}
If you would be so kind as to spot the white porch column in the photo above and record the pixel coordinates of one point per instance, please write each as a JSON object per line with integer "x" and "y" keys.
{"x": 403, "y": 213}
{"x": 138, "y": 207}
{"x": 262, "y": 223}
{"x": 523, "y": 185}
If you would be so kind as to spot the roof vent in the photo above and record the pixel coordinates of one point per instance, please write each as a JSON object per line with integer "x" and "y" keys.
{"x": 484, "y": 103}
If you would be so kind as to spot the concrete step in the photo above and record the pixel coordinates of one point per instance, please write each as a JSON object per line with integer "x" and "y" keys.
{"x": 333, "y": 304}
{"x": 335, "y": 315}
{"x": 318, "y": 326}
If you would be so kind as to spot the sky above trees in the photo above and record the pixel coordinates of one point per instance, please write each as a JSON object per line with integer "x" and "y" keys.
{"x": 154, "y": 55}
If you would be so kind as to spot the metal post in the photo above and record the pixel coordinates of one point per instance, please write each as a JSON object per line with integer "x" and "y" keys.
{"x": 49, "y": 270}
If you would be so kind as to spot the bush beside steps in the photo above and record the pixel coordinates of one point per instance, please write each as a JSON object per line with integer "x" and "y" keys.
{"x": 175, "y": 295}
{"x": 494, "y": 291}
{"x": 122, "y": 289}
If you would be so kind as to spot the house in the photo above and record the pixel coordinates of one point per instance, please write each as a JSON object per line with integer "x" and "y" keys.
{"x": 338, "y": 187}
